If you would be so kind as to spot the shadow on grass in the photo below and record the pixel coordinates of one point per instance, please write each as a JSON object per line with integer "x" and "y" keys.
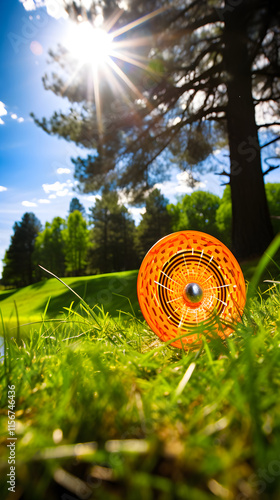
{"x": 115, "y": 292}
{"x": 38, "y": 285}
{"x": 7, "y": 293}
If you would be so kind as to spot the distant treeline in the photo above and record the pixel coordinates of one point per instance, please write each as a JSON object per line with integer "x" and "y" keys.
{"x": 108, "y": 240}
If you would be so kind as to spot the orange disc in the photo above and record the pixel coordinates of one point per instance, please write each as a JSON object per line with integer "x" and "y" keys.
{"x": 190, "y": 279}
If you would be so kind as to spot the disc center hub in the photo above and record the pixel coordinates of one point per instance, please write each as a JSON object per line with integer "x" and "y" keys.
{"x": 193, "y": 293}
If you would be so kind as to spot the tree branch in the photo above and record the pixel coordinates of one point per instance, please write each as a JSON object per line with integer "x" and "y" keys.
{"x": 270, "y": 169}
{"x": 270, "y": 142}
{"x": 222, "y": 173}
{"x": 266, "y": 99}
{"x": 265, "y": 125}
{"x": 185, "y": 10}
{"x": 266, "y": 71}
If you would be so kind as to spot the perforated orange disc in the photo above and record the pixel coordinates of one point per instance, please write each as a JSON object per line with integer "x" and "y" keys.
{"x": 186, "y": 280}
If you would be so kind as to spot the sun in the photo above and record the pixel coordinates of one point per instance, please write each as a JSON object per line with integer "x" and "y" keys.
{"x": 89, "y": 45}
{"x": 101, "y": 49}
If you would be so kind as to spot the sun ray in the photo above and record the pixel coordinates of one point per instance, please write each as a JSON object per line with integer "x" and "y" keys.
{"x": 110, "y": 23}
{"x": 141, "y": 20}
{"x": 98, "y": 48}
{"x": 97, "y": 103}
{"x": 131, "y": 60}
{"x": 140, "y": 41}
{"x": 71, "y": 79}
{"x": 126, "y": 80}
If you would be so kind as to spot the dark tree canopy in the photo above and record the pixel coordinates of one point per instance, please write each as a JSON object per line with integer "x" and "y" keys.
{"x": 195, "y": 72}
{"x": 155, "y": 223}
{"x": 49, "y": 250}
{"x": 75, "y": 204}
{"x": 76, "y": 244}
{"x": 112, "y": 235}
{"x": 19, "y": 268}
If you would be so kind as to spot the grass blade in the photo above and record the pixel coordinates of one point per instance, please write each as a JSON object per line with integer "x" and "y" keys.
{"x": 73, "y": 291}
{"x": 264, "y": 261}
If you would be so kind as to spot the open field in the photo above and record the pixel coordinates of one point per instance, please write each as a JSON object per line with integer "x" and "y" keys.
{"x": 104, "y": 410}
{"x": 115, "y": 292}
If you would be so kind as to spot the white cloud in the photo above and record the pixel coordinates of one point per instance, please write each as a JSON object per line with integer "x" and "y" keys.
{"x": 60, "y": 188}
{"x": 28, "y": 4}
{"x": 55, "y": 8}
{"x": 20, "y": 120}
{"x": 63, "y": 192}
{"x": 185, "y": 181}
{"x": 43, "y": 201}
{"x": 29, "y": 204}
{"x": 14, "y": 116}
{"x": 63, "y": 170}
{"x": 136, "y": 210}
{"x": 93, "y": 198}
{"x": 125, "y": 198}
{"x": 136, "y": 213}
{"x": 3, "y": 110}
{"x": 181, "y": 186}
{"x": 2, "y": 188}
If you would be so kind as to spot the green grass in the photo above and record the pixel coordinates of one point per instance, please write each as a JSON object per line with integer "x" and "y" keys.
{"x": 109, "y": 290}
{"x": 105, "y": 411}
{"x": 114, "y": 292}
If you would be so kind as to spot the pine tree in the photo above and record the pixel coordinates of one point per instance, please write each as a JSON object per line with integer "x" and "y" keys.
{"x": 112, "y": 235}
{"x": 76, "y": 237}
{"x": 19, "y": 269}
{"x": 194, "y": 71}
{"x": 49, "y": 249}
{"x": 155, "y": 223}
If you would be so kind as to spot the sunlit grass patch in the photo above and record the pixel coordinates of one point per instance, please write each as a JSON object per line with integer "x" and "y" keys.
{"x": 105, "y": 410}
{"x": 203, "y": 419}
{"x": 115, "y": 292}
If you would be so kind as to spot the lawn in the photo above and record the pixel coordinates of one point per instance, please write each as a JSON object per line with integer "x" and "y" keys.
{"x": 49, "y": 298}
{"x": 114, "y": 292}
{"x": 104, "y": 410}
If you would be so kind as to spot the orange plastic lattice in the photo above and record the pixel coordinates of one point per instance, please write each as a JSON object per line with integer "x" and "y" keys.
{"x": 190, "y": 258}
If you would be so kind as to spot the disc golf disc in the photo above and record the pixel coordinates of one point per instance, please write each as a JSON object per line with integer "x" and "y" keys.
{"x": 189, "y": 284}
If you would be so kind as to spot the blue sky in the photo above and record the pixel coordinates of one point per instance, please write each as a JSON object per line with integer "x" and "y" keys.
{"x": 36, "y": 173}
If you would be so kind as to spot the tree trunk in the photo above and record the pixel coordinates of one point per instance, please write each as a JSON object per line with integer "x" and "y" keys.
{"x": 251, "y": 225}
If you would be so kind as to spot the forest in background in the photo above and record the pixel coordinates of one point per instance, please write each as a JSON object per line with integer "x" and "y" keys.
{"x": 107, "y": 238}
